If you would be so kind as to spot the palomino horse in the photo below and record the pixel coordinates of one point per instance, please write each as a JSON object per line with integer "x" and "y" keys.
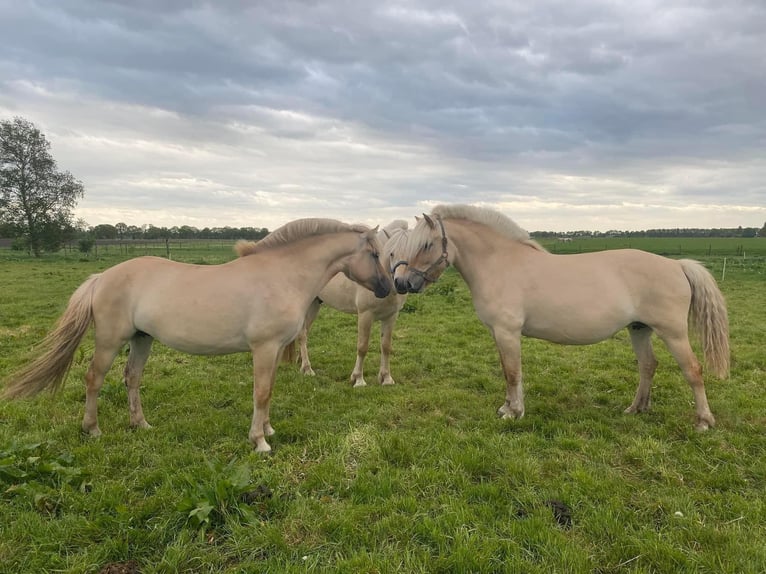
{"x": 349, "y": 297}
{"x": 516, "y": 287}
{"x": 255, "y": 303}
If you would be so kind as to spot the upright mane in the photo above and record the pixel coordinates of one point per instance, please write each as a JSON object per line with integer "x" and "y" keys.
{"x": 294, "y": 231}
{"x": 397, "y": 243}
{"x": 394, "y": 227}
{"x": 495, "y": 220}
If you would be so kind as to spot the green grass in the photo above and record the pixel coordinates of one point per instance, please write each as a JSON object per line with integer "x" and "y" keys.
{"x": 419, "y": 477}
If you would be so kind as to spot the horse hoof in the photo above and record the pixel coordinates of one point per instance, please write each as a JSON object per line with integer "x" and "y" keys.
{"x": 635, "y": 409}
{"x": 704, "y": 424}
{"x": 385, "y": 381}
{"x": 506, "y": 413}
{"x": 360, "y": 383}
{"x": 263, "y": 447}
{"x": 141, "y": 425}
{"x": 309, "y": 372}
{"x": 93, "y": 433}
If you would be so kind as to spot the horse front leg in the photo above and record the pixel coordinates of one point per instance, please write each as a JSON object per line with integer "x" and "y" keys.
{"x": 386, "y": 331}
{"x": 509, "y": 346}
{"x": 264, "y": 374}
{"x": 363, "y": 327}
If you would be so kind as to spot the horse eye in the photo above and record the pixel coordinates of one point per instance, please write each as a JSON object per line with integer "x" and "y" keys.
{"x": 428, "y": 246}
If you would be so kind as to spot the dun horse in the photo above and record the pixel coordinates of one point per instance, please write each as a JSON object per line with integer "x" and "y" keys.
{"x": 255, "y": 303}
{"x": 344, "y": 295}
{"x": 519, "y": 288}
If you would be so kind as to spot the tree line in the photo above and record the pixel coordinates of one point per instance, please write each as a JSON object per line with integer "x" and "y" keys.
{"x": 744, "y": 232}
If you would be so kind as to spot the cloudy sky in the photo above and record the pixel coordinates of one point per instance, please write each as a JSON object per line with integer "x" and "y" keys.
{"x": 563, "y": 114}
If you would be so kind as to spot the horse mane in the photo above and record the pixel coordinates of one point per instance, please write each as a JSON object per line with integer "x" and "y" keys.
{"x": 294, "y": 231}
{"x": 495, "y": 220}
{"x": 395, "y": 226}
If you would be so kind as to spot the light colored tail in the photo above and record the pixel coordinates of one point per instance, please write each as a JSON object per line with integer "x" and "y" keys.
{"x": 709, "y": 316}
{"x": 58, "y": 348}
{"x": 289, "y": 355}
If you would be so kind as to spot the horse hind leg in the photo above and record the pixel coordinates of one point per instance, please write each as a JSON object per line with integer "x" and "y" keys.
{"x": 140, "y": 347}
{"x": 679, "y": 347}
{"x": 641, "y": 339}
{"x": 103, "y": 357}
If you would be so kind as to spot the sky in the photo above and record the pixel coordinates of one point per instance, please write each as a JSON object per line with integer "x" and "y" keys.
{"x": 563, "y": 114}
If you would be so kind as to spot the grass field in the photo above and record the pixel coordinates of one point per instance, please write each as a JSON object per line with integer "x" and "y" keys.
{"x": 419, "y": 477}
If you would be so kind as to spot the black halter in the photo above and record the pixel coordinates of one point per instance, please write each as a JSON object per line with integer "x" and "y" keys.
{"x": 427, "y": 274}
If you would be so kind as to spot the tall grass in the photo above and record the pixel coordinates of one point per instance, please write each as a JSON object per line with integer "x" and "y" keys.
{"x": 419, "y": 477}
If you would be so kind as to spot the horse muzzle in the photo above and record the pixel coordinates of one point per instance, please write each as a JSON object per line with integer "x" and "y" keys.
{"x": 401, "y": 285}
{"x": 411, "y": 283}
{"x": 382, "y": 288}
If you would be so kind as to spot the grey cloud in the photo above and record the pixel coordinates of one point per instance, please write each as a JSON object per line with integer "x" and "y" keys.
{"x": 499, "y": 92}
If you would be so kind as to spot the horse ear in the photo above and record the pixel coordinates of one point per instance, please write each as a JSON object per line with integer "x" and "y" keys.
{"x": 429, "y": 221}
{"x": 372, "y": 233}
{"x": 387, "y": 234}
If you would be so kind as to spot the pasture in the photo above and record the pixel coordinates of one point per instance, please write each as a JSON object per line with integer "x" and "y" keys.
{"x": 418, "y": 477}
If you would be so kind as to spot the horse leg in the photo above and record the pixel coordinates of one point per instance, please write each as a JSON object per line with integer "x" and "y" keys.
{"x": 386, "y": 330}
{"x": 140, "y": 347}
{"x": 303, "y": 337}
{"x": 265, "y": 360}
{"x": 363, "y": 328}
{"x": 641, "y": 339}
{"x": 509, "y": 346}
{"x": 103, "y": 357}
{"x": 679, "y": 347}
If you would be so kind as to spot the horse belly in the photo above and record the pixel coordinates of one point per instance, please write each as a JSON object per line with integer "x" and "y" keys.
{"x": 577, "y": 324}
{"x": 200, "y": 338}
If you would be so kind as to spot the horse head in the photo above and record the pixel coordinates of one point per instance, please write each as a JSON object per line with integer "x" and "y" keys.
{"x": 365, "y": 266}
{"x": 426, "y": 256}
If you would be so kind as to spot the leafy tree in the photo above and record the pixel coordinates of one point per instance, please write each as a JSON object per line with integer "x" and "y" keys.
{"x": 36, "y": 198}
{"x": 105, "y": 231}
{"x": 762, "y": 232}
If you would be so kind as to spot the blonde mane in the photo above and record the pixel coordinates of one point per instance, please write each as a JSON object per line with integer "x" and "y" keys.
{"x": 495, "y": 220}
{"x": 294, "y": 231}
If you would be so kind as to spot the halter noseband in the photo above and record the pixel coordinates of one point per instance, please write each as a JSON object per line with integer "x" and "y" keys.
{"x": 427, "y": 274}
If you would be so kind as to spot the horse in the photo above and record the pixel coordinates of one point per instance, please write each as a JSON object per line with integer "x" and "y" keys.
{"x": 256, "y": 302}
{"x": 348, "y": 297}
{"x": 519, "y": 288}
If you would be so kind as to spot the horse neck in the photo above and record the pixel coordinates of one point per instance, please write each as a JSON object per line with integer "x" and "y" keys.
{"x": 319, "y": 258}
{"x": 474, "y": 247}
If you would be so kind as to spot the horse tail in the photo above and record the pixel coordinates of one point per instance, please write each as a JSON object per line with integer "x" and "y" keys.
{"x": 58, "y": 348}
{"x": 289, "y": 355}
{"x": 709, "y": 316}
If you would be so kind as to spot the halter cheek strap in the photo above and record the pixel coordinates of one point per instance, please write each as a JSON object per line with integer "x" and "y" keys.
{"x": 428, "y": 273}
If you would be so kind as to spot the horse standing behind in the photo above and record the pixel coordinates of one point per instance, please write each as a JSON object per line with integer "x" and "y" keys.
{"x": 516, "y": 286}
{"x": 256, "y": 302}
{"x": 344, "y": 295}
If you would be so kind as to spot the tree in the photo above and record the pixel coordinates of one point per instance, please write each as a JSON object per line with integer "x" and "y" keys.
{"x": 36, "y": 199}
{"x": 762, "y": 232}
